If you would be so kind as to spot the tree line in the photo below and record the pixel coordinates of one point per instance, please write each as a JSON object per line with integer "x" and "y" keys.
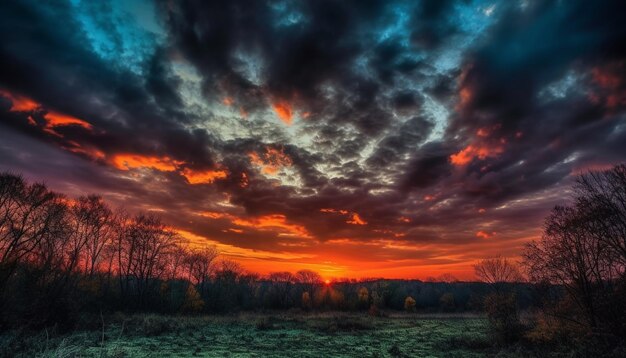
{"x": 62, "y": 257}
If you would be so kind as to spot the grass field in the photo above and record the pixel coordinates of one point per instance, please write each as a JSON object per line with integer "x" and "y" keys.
{"x": 264, "y": 335}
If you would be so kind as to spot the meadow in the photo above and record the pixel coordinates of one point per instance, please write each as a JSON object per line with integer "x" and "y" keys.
{"x": 263, "y": 335}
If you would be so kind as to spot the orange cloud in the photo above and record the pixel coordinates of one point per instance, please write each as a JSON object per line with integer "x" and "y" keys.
{"x": 20, "y": 103}
{"x": 214, "y": 215}
{"x": 53, "y": 119}
{"x": 90, "y": 152}
{"x": 284, "y": 112}
{"x": 56, "y": 119}
{"x": 244, "y": 180}
{"x": 271, "y": 161}
{"x": 472, "y": 152}
{"x": 204, "y": 176}
{"x": 239, "y": 253}
{"x": 273, "y": 222}
{"x": 265, "y": 223}
{"x": 356, "y": 220}
{"x": 485, "y": 235}
{"x": 466, "y": 95}
{"x": 482, "y": 132}
{"x": 329, "y": 210}
{"x": 228, "y": 101}
{"x": 136, "y": 161}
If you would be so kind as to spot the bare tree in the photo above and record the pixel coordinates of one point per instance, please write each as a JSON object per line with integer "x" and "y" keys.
{"x": 309, "y": 280}
{"x": 501, "y": 304}
{"x": 29, "y": 214}
{"x": 601, "y": 198}
{"x": 143, "y": 246}
{"x": 93, "y": 229}
{"x": 497, "y": 270}
{"x": 282, "y": 283}
{"x": 199, "y": 266}
{"x": 583, "y": 250}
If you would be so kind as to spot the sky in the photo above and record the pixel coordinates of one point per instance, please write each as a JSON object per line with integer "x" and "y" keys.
{"x": 397, "y": 139}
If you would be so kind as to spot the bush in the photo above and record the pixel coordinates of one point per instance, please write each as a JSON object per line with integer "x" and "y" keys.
{"x": 374, "y": 311}
{"x": 503, "y": 317}
{"x": 447, "y": 302}
{"x": 409, "y": 304}
{"x": 193, "y": 301}
{"x": 306, "y": 301}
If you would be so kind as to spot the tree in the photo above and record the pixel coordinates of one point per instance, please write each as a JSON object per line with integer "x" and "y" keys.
{"x": 92, "y": 229}
{"x": 143, "y": 247}
{"x": 306, "y": 301}
{"x": 281, "y": 284}
{"x": 583, "y": 250}
{"x": 309, "y": 280}
{"x": 500, "y": 305}
{"x": 497, "y": 271}
{"x": 601, "y": 196}
{"x": 29, "y": 215}
{"x": 199, "y": 265}
{"x": 363, "y": 296}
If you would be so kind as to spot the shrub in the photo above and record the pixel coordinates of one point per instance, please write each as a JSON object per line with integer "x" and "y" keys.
{"x": 306, "y": 301}
{"x": 363, "y": 297}
{"x": 374, "y": 311}
{"x": 503, "y": 317}
{"x": 447, "y": 302}
{"x": 409, "y": 304}
{"x": 193, "y": 301}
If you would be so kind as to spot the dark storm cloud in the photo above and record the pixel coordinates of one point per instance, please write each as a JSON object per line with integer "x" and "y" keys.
{"x": 304, "y": 50}
{"x": 431, "y": 23}
{"x": 59, "y": 71}
{"x": 429, "y": 166}
{"x": 516, "y": 91}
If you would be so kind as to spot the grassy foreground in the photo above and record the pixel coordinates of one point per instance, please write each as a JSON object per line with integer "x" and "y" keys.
{"x": 263, "y": 335}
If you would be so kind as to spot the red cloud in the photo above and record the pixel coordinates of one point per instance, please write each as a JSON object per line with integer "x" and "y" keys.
{"x": 271, "y": 161}
{"x": 284, "y": 112}
{"x": 137, "y": 161}
{"x": 484, "y": 235}
{"x": 203, "y": 176}
{"x": 20, "y": 103}
{"x": 53, "y": 119}
{"x": 276, "y": 222}
{"x": 472, "y": 152}
{"x": 354, "y": 219}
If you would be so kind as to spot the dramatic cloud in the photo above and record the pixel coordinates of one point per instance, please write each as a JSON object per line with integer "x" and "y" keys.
{"x": 357, "y": 138}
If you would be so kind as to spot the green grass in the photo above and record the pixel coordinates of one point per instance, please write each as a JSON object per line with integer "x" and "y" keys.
{"x": 265, "y": 335}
